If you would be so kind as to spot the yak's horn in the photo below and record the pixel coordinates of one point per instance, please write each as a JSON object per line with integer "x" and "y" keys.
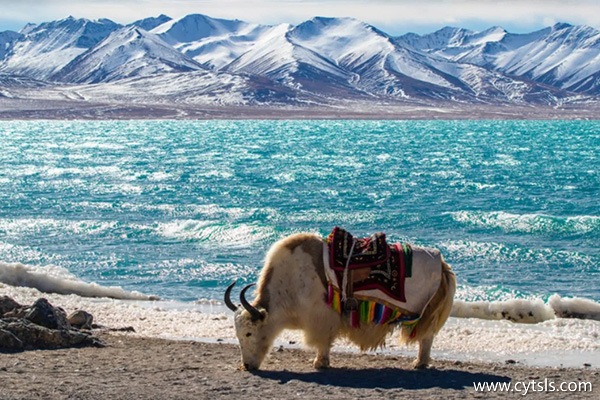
{"x": 227, "y": 299}
{"x": 256, "y": 315}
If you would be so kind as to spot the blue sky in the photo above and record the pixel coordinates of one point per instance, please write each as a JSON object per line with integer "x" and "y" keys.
{"x": 392, "y": 16}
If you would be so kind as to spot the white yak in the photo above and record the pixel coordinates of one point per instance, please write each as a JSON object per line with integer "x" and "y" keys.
{"x": 291, "y": 294}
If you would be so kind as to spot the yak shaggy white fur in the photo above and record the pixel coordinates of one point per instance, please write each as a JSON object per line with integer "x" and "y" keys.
{"x": 291, "y": 295}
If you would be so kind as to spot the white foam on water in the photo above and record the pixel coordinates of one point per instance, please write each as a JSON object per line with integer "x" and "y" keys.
{"x": 121, "y": 188}
{"x": 518, "y": 310}
{"x": 160, "y": 176}
{"x": 528, "y": 310}
{"x": 55, "y": 279}
{"x": 236, "y": 235}
{"x": 333, "y": 218}
{"x": 224, "y": 173}
{"x": 19, "y": 226}
{"x": 87, "y": 172}
{"x": 528, "y": 223}
{"x": 493, "y": 251}
{"x": 97, "y": 145}
{"x": 574, "y": 307}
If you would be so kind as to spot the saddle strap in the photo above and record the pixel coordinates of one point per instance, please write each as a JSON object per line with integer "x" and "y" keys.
{"x": 347, "y": 287}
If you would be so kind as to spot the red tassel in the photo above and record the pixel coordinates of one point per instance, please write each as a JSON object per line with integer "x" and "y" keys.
{"x": 413, "y": 333}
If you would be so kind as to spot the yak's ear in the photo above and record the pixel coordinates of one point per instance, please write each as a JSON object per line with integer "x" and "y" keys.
{"x": 261, "y": 316}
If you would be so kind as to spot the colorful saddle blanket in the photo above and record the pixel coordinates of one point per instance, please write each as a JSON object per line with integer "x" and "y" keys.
{"x": 388, "y": 265}
{"x": 378, "y": 282}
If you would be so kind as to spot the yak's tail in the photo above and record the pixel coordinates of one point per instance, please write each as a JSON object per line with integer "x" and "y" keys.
{"x": 437, "y": 311}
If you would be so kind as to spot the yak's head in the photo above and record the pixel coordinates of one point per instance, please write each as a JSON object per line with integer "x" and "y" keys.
{"x": 251, "y": 329}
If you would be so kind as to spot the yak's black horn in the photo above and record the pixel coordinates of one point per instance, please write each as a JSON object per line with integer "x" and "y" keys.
{"x": 256, "y": 315}
{"x": 227, "y": 299}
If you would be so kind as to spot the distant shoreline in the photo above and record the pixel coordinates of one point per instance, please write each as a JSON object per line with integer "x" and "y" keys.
{"x": 33, "y": 109}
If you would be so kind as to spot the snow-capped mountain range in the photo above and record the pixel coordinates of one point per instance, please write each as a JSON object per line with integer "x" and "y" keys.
{"x": 197, "y": 58}
{"x": 563, "y": 56}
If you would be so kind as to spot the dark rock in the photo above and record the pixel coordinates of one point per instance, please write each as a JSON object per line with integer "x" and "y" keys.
{"x": 33, "y": 336}
{"x": 9, "y": 341}
{"x": 123, "y": 329}
{"x": 41, "y": 326}
{"x": 81, "y": 319}
{"x": 7, "y": 305}
{"x": 44, "y": 314}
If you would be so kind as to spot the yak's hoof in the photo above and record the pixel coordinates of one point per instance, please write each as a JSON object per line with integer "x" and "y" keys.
{"x": 420, "y": 365}
{"x": 321, "y": 364}
{"x": 247, "y": 367}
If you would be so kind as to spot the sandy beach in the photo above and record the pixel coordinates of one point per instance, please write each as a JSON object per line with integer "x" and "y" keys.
{"x": 131, "y": 367}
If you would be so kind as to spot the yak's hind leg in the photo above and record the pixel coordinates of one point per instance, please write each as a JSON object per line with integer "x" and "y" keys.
{"x": 424, "y": 355}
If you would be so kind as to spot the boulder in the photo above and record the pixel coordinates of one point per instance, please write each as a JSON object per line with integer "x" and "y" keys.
{"x": 42, "y": 326}
{"x": 81, "y": 319}
{"x": 44, "y": 314}
{"x": 27, "y": 335}
{"x": 7, "y": 305}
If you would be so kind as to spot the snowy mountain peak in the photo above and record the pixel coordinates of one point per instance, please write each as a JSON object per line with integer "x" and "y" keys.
{"x": 581, "y": 36}
{"x": 342, "y": 40}
{"x": 328, "y": 22}
{"x": 563, "y": 55}
{"x": 46, "y": 48}
{"x": 330, "y": 26}
{"x": 95, "y": 29}
{"x": 194, "y": 27}
{"x": 127, "y": 52}
{"x": 449, "y": 37}
{"x": 152, "y": 22}
{"x": 452, "y": 32}
{"x": 561, "y": 25}
{"x": 442, "y": 38}
{"x": 27, "y": 28}
{"x": 211, "y": 42}
{"x": 493, "y": 34}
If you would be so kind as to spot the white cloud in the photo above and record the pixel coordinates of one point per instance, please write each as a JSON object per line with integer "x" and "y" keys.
{"x": 394, "y": 16}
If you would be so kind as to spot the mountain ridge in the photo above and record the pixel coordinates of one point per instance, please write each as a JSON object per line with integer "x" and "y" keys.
{"x": 323, "y": 60}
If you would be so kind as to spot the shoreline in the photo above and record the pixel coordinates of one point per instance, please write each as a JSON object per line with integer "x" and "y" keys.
{"x": 39, "y": 109}
{"x": 554, "y": 343}
{"x": 132, "y": 367}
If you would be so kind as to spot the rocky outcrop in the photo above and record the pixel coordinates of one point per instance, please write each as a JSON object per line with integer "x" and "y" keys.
{"x": 81, "y": 319}
{"x": 42, "y": 326}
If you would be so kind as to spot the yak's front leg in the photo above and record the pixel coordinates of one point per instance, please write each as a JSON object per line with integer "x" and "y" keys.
{"x": 322, "y": 359}
{"x": 424, "y": 355}
{"x": 321, "y": 336}
{"x": 323, "y": 346}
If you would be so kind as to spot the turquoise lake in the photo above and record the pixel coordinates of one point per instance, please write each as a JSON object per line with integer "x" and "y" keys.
{"x": 181, "y": 208}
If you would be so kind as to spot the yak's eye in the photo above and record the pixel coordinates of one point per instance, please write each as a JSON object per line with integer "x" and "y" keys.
{"x": 248, "y": 334}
